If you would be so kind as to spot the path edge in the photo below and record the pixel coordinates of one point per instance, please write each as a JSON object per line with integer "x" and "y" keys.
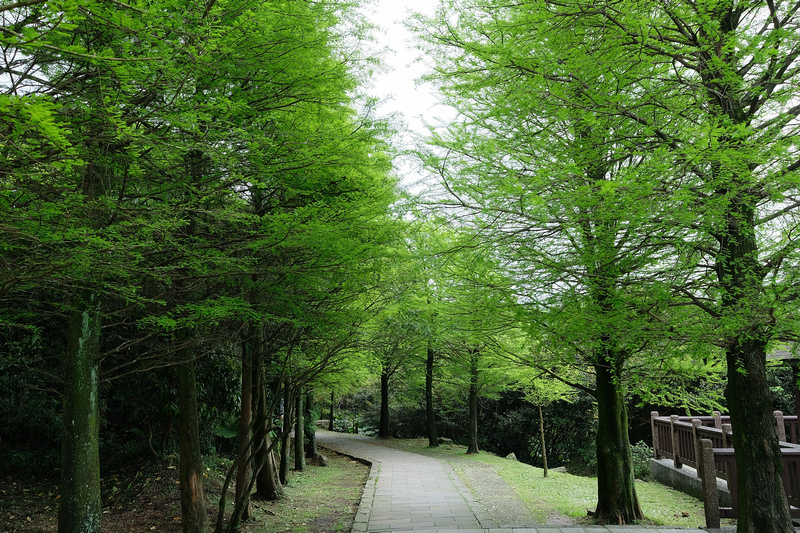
{"x": 470, "y": 497}
{"x": 361, "y": 520}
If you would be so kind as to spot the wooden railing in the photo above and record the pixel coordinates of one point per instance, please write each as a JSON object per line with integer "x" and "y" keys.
{"x": 725, "y": 458}
{"x": 678, "y": 438}
{"x": 706, "y": 443}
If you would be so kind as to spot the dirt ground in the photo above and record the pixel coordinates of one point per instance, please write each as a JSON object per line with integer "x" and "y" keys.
{"x": 144, "y": 499}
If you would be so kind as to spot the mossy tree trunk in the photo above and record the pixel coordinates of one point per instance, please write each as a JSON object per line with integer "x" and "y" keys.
{"x": 763, "y": 507}
{"x": 194, "y": 516}
{"x": 383, "y": 425}
{"x": 80, "y": 505}
{"x": 433, "y": 438}
{"x": 299, "y": 433}
{"x": 473, "y": 401}
{"x": 617, "y": 502}
{"x": 245, "y": 431}
{"x": 762, "y": 501}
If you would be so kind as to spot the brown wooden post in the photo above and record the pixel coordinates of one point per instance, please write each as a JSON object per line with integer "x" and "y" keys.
{"x": 726, "y": 430}
{"x": 676, "y": 460}
{"x": 654, "y": 431}
{"x": 696, "y": 442}
{"x": 717, "y": 420}
{"x": 794, "y": 364}
{"x": 780, "y": 428}
{"x": 710, "y": 495}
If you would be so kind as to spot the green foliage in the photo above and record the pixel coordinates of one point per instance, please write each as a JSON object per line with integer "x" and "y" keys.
{"x": 641, "y": 454}
{"x": 205, "y": 170}
{"x": 355, "y": 413}
{"x": 511, "y": 424}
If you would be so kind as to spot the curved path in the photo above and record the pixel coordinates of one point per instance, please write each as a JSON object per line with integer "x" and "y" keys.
{"x": 411, "y": 492}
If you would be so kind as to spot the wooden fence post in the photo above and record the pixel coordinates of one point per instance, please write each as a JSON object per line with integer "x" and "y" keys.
{"x": 676, "y": 460}
{"x": 654, "y": 431}
{"x": 696, "y": 442}
{"x": 780, "y": 428}
{"x": 710, "y": 495}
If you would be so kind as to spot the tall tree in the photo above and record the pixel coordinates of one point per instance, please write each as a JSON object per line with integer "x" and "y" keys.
{"x": 708, "y": 88}
{"x": 64, "y": 68}
{"x": 721, "y": 91}
{"x": 430, "y": 412}
{"x": 553, "y": 186}
{"x": 394, "y": 343}
{"x": 194, "y": 516}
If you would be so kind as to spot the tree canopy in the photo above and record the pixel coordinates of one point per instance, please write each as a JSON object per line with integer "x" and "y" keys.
{"x": 202, "y": 189}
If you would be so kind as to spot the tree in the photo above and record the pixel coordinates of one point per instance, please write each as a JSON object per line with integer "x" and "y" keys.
{"x": 299, "y": 432}
{"x": 62, "y": 70}
{"x": 474, "y": 389}
{"x": 720, "y": 96}
{"x": 394, "y": 339}
{"x": 193, "y": 505}
{"x": 539, "y": 392}
{"x": 480, "y": 322}
{"x": 430, "y": 414}
{"x": 553, "y": 185}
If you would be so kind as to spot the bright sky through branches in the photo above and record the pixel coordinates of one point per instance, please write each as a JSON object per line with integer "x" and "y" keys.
{"x": 398, "y": 86}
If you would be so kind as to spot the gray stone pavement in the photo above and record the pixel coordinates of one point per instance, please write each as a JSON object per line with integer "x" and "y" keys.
{"x": 411, "y": 492}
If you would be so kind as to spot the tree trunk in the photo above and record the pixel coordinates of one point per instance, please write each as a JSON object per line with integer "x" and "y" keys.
{"x": 433, "y": 439}
{"x": 311, "y": 427}
{"x": 299, "y": 433}
{"x": 283, "y": 473}
{"x": 762, "y": 501}
{"x": 268, "y": 486}
{"x": 541, "y": 437}
{"x": 383, "y": 425}
{"x": 617, "y": 502}
{"x": 330, "y": 419}
{"x": 245, "y": 430}
{"x": 274, "y": 489}
{"x": 473, "y": 403}
{"x": 763, "y": 507}
{"x": 80, "y": 506}
{"x": 193, "y": 505}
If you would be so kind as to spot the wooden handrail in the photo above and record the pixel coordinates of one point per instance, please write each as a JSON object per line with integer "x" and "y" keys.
{"x": 677, "y": 437}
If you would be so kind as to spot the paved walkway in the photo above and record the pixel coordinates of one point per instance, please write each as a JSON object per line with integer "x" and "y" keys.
{"x": 411, "y": 492}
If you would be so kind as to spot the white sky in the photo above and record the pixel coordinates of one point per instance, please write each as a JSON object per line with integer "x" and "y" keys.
{"x": 398, "y": 85}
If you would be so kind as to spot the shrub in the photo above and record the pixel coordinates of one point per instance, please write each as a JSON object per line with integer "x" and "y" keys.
{"x": 641, "y": 454}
